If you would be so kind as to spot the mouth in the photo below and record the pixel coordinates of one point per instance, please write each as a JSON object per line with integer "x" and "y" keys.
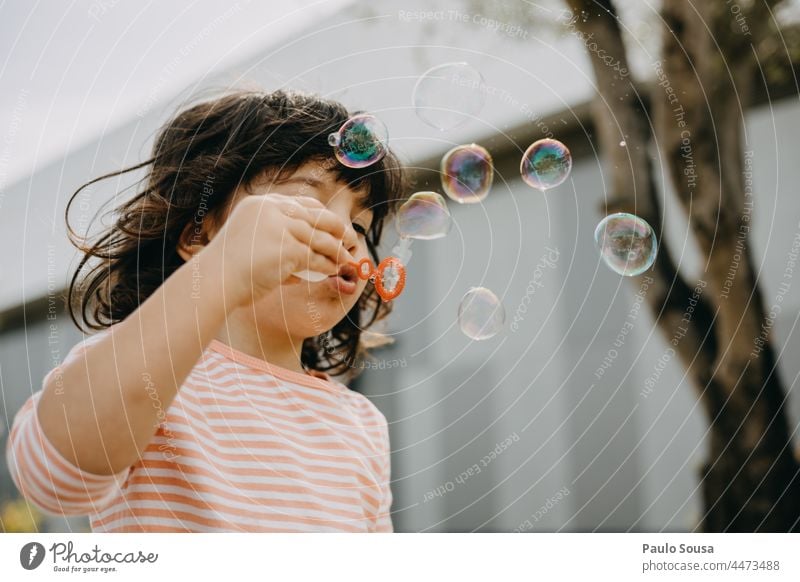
{"x": 348, "y": 273}
{"x": 345, "y": 281}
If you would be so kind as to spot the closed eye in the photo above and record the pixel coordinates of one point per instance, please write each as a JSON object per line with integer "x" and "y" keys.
{"x": 360, "y": 229}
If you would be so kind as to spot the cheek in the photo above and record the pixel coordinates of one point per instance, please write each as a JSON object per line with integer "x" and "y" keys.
{"x": 362, "y": 251}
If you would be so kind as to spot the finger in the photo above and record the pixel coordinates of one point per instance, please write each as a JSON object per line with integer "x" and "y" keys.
{"x": 304, "y": 258}
{"x": 319, "y": 216}
{"x": 313, "y": 261}
{"x": 324, "y": 219}
{"x": 308, "y": 201}
{"x": 321, "y": 264}
{"x": 330, "y": 246}
{"x": 320, "y": 241}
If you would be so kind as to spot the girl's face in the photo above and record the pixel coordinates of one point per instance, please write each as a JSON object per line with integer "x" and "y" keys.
{"x": 307, "y": 309}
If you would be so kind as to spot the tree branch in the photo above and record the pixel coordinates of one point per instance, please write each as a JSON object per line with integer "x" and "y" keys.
{"x": 620, "y": 114}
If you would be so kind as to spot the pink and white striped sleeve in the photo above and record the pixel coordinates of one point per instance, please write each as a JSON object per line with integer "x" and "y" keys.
{"x": 44, "y": 476}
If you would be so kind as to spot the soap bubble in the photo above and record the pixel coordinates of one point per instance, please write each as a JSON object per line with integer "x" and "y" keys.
{"x": 480, "y": 315}
{"x": 424, "y": 216}
{"x": 361, "y": 141}
{"x": 467, "y": 172}
{"x": 627, "y": 243}
{"x": 546, "y": 164}
{"x": 448, "y": 95}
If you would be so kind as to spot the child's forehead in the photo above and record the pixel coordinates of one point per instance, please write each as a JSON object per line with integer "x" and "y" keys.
{"x": 322, "y": 170}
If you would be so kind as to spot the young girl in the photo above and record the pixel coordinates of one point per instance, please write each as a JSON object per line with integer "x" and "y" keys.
{"x": 204, "y": 404}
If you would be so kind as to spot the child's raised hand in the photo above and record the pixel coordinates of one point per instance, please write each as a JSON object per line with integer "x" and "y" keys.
{"x": 268, "y": 237}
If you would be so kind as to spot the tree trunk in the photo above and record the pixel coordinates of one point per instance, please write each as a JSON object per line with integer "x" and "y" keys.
{"x": 703, "y": 85}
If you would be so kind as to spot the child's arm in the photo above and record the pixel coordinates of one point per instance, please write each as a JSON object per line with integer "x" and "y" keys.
{"x": 98, "y": 413}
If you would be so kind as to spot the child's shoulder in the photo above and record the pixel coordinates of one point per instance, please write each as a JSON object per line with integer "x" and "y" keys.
{"x": 367, "y": 407}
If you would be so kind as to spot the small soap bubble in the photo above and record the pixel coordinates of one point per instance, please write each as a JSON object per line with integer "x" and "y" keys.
{"x": 449, "y": 95}
{"x": 467, "y": 172}
{"x": 424, "y": 216}
{"x": 360, "y": 142}
{"x": 627, "y": 243}
{"x": 546, "y": 164}
{"x": 622, "y": 144}
{"x": 481, "y": 315}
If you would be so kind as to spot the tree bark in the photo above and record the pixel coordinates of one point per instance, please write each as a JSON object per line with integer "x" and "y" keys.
{"x": 703, "y": 86}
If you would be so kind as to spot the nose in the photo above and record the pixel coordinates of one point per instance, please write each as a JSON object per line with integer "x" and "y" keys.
{"x": 350, "y": 239}
{"x": 342, "y": 205}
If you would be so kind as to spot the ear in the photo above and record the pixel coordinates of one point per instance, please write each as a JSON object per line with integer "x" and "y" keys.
{"x": 197, "y": 234}
{"x": 194, "y": 237}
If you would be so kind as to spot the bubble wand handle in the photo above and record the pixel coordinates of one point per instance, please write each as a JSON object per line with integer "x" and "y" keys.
{"x": 402, "y": 250}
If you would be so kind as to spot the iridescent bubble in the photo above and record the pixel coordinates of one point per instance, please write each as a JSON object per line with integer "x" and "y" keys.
{"x": 627, "y": 243}
{"x": 467, "y": 173}
{"x": 361, "y": 141}
{"x": 424, "y": 216}
{"x": 449, "y": 95}
{"x": 481, "y": 315}
{"x": 546, "y": 164}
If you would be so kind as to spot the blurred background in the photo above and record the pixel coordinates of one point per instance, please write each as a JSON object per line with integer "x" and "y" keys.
{"x": 84, "y": 86}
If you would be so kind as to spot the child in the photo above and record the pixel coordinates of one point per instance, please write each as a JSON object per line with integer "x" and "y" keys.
{"x": 204, "y": 404}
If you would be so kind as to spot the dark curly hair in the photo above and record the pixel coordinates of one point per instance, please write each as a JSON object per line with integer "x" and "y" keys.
{"x": 235, "y": 138}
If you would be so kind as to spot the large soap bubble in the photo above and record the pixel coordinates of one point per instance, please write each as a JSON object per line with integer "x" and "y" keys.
{"x": 424, "y": 216}
{"x": 361, "y": 141}
{"x": 449, "y": 95}
{"x": 546, "y": 164}
{"x": 627, "y": 243}
{"x": 467, "y": 172}
{"x": 481, "y": 315}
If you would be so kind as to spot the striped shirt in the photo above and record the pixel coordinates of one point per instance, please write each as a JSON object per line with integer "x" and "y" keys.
{"x": 244, "y": 446}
